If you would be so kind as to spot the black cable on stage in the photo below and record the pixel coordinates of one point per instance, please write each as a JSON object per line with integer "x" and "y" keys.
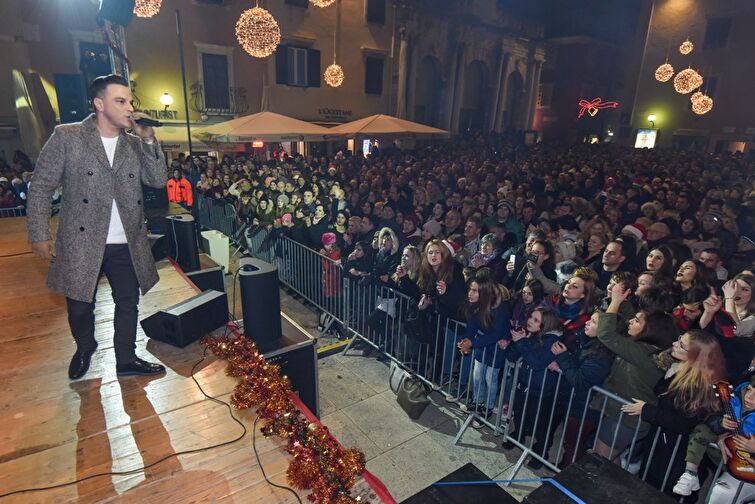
{"x": 259, "y": 463}
{"x": 28, "y": 252}
{"x": 142, "y": 468}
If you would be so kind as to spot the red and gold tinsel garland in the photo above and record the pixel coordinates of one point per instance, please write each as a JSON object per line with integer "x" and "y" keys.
{"x": 319, "y": 463}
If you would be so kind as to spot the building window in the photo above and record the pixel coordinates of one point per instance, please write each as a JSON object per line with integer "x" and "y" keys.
{"x": 373, "y": 75}
{"x": 216, "y": 85}
{"x": 375, "y": 11}
{"x": 297, "y": 66}
{"x": 298, "y": 3}
{"x": 717, "y": 33}
{"x": 544, "y": 95}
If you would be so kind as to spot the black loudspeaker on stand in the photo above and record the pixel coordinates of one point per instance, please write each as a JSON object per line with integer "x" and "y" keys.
{"x": 189, "y": 320}
{"x": 182, "y": 239}
{"x": 260, "y": 303}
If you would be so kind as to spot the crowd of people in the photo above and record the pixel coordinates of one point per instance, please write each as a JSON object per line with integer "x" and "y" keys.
{"x": 14, "y": 179}
{"x": 624, "y": 268}
{"x": 629, "y": 269}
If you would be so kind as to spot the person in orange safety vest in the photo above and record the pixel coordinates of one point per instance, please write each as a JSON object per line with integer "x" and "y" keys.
{"x": 179, "y": 190}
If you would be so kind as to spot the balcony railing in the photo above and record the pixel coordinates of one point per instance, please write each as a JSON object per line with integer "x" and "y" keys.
{"x": 237, "y": 103}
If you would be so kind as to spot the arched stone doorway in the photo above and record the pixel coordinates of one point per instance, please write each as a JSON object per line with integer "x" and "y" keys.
{"x": 427, "y": 101}
{"x": 475, "y": 103}
{"x": 514, "y": 105}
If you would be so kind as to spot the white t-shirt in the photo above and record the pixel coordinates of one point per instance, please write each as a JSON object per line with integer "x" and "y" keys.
{"x": 115, "y": 233}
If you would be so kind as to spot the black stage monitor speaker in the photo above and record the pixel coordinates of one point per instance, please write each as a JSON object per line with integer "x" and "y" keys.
{"x": 189, "y": 320}
{"x": 595, "y": 479}
{"x": 119, "y": 12}
{"x": 209, "y": 278}
{"x": 260, "y": 302}
{"x": 462, "y": 494}
{"x": 182, "y": 239}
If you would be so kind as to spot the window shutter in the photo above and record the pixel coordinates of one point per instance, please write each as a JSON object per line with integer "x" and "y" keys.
{"x": 313, "y": 68}
{"x": 376, "y": 11}
{"x": 281, "y": 64}
{"x": 373, "y": 75}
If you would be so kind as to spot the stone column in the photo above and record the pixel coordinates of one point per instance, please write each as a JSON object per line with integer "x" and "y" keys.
{"x": 499, "y": 96}
{"x": 504, "y": 92}
{"x": 450, "y": 86}
{"x": 411, "y": 85}
{"x": 402, "y": 77}
{"x": 533, "y": 96}
{"x": 459, "y": 89}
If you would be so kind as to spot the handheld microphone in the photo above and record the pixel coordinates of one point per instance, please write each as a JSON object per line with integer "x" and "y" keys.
{"x": 147, "y": 121}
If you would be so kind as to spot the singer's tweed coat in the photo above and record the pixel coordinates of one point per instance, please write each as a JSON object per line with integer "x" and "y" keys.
{"x": 75, "y": 158}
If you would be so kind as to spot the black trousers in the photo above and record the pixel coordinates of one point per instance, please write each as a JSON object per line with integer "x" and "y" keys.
{"x": 119, "y": 270}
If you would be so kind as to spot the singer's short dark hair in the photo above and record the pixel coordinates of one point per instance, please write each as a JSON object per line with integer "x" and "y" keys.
{"x": 99, "y": 84}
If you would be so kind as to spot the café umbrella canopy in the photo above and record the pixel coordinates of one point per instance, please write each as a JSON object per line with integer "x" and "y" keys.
{"x": 266, "y": 126}
{"x": 384, "y": 125}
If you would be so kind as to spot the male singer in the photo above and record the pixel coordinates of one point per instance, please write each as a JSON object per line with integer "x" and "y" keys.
{"x": 101, "y": 227}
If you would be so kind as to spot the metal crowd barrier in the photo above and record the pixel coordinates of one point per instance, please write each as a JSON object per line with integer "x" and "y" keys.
{"x": 218, "y": 216}
{"x": 536, "y": 414}
{"x": 19, "y": 211}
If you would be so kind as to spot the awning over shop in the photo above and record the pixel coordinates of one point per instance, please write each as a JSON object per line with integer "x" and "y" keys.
{"x": 266, "y": 126}
{"x": 385, "y": 125}
{"x": 173, "y": 137}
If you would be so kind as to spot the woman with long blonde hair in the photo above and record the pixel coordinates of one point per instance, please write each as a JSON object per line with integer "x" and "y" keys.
{"x": 439, "y": 294}
{"x": 686, "y": 398}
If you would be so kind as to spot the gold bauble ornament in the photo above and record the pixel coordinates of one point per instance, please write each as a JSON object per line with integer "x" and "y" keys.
{"x": 258, "y": 32}
{"x": 334, "y": 75}
{"x": 664, "y": 72}
{"x": 687, "y": 81}
{"x": 686, "y": 47}
{"x": 701, "y": 103}
{"x": 322, "y": 3}
{"x": 147, "y": 8}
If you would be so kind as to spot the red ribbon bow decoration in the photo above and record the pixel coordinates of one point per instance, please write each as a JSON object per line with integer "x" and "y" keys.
{"x": 593, "y": 106}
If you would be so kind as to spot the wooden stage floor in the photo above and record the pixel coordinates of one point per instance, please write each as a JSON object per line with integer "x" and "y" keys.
{"x": 53, "y": 430}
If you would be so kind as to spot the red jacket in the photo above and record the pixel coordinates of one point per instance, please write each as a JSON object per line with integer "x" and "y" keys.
{"x": 179, "y": 191}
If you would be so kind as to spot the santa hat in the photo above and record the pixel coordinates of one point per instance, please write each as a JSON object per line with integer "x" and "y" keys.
{"x": 453, "y": 247}
{"x": 637, "y": 230}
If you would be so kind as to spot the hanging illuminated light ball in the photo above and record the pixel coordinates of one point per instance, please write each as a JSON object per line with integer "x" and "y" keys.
{"x": 686, "y": 47}
{"x": 334, "y": 75}
{"x": 322, "y": 3}
{"x": 258, "y": 32}
{"x": 147, "y": 8}
{"x": 701, "y": 103}
{"x": 664, "y": 72}
{"x": 687, "y": 81}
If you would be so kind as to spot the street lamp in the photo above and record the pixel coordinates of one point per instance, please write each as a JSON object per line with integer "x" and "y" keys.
{"x": 652, "y": 118}
{"x": 166, "y": 100}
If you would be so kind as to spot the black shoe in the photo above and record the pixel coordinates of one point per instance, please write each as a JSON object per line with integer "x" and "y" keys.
{"x": 139, "y": 367}
{"x": 534, "y": 464}
{"x": 508, "y": 445}
{"x": 80, "y": 363}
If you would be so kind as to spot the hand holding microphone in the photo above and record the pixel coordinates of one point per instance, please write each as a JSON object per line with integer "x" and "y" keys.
{"x": 143, "y": 126}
